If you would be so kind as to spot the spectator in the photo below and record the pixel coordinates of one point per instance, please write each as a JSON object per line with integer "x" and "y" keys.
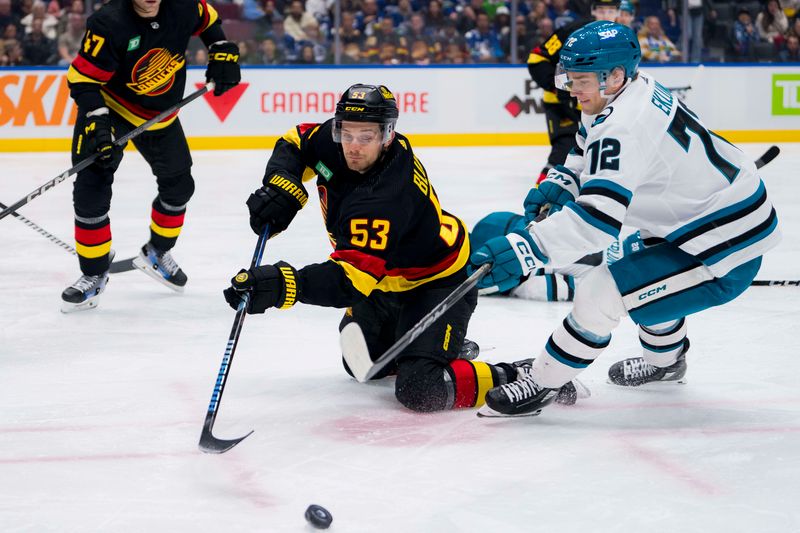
{"x": 37, "y": 49}
{"x": 656, "y": 46}
{"x": 449, "y": 34}
{"x": 697, "y": 14}
{"x": 349, "y": 32}
{"x": 794, "y": 27}
{"x": 772, "y": 23}
{"x": 319, "y": 9}
{"x": 49, "y": 22}
{"x": 469, "y": 16}
{"x": 433, "y": 15}
{"x": 296, "y": 19}
{"x": 367, "y": 16}
{"x": 284, "y": 41}
{"x": 745, "y": 35}
{"x": 502, "y": 21}
{"x": 455, "y": 54}
{"x": 10, "y": 34}
{"x": 387, "y": 54}
{"x": 525, "y": 40}
{"x": 538, "y": 12}
{"x": 270, "y": 53}
{"x": 14, "y": 54}
{"x": 671, "y": 24}
{"x": 77, "y": 7}
{"x": 790, "y": 53}
{"x": 415, "y": 28}
{"x": 70, "y": 41}
{"x": 420, "y": 53}
{"x": 483, "y": 42}
{"x": 6, "y": 15}
{"x": 200, "y": 57}
{"x": 306, "y": 54}
{"x": 351, "y": 55}
{"x": 560, "y": 14}
{"x": 543, "y": 30}
{"x": 317, "y": 42}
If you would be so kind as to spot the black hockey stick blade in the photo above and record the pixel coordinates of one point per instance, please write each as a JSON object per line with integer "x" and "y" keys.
{"x": 119, "y": 142}
{"x": 354, "y": 345}
{"x": 771, "y": 153}
{"x": 123, "y": 265}
{"x": 211, "y": 444}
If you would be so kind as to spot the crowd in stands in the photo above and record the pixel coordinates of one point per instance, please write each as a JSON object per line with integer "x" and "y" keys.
{"x": 422, "y": 32}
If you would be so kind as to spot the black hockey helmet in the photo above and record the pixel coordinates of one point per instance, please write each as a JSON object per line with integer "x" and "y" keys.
{"x": 366, "y": 103}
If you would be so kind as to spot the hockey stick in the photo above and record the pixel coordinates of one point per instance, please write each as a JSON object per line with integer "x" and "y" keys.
{"x": 354, "y": 345}
{"x": 771, "y": 153}
{"x": 775, "y": 283}
{"x": 208, "y": 442}
{"x": 119, "y": 142}
{"x": 122, "y": 265}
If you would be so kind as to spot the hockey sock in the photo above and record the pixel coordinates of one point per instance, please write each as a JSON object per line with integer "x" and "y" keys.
{"x": 166, "y": 224}
{"x": 662, "y": 343}
{"x": 468, "y": 381}
{"x": 568, "y": 351}
{"x": 93, "y": 243}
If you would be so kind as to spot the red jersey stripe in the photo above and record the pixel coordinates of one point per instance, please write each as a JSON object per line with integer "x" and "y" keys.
{"x": 137, "y": 110}
{"x": 466, "y": 383}
{"x": 374, "y": 266}
{"x": 83, "y": 66}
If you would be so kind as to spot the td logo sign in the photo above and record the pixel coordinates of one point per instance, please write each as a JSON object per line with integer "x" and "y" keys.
{"x": 786, "y": 94}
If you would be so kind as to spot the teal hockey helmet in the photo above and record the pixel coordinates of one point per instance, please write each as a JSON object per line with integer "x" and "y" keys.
{"x": 599, "y": 47}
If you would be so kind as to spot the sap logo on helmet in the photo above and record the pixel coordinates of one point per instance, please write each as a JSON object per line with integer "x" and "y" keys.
{"x": 353, "y": 108}
{"x": 607, "y": 34}
{"x": 571, "y": 41}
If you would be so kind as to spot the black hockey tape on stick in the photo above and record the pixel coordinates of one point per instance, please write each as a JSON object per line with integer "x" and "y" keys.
{"x": 208, "y": 442}
{"x": 119, "y": 142}
{"x": 771, "y": 153}
{"x": 356, "y": 351}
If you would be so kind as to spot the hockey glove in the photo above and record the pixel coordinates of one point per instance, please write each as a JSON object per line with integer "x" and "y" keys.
{"x": 276, "y": 204}
{"x": 223, "y": 66}
{"x": 512, "y": 256}
{"x": 560, "y": 186}
{"x": 268, "y": 286}
{"x": 97, "y": 137}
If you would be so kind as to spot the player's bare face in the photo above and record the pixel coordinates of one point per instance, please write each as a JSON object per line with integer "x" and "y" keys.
{"x": 607, "y": 13}
{"x": 586, "y": 88}
{"x": 361, "y": 144}
{"x": 146, "y": 8}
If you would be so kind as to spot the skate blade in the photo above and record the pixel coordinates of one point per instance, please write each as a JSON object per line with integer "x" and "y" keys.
{"x": 682, "y": 381}
{"x": 69, "y": 307}
{"x": 140, "y": 264}
{"x": 488, "y": 412}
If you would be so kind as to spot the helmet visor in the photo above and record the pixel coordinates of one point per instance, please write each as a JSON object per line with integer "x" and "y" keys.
{"x": 348, "y": 134}
{"x": 577, "y": 81}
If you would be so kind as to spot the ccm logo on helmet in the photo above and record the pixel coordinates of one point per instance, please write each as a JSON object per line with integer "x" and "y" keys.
{"x": 353, "y": 108}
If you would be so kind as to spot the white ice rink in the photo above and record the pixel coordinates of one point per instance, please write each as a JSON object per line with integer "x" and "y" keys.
{"x": 100, "y": 412}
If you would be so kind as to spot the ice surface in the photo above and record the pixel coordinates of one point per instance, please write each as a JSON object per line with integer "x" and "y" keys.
{"x": 100, "y": 411}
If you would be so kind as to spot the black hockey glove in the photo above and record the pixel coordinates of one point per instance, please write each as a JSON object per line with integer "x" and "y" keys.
{"x": 276, "y": 204}
{"x": 223, "y": 66}
{"x": 97, "y": 136}
{"x": 268, "y": 286}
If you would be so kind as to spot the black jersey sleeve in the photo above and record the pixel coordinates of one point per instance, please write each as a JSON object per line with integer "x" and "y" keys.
{"x": 543, "y": 58}
{"x": 95, "y": 64}
{"x": 291, "y": 153}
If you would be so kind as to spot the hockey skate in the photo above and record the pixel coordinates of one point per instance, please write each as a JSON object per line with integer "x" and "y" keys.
{"x": 84, "y": 293}
{"x": 161, "y": 267}
{"x": 636, "y": 371}
{"x": 524, "y": 397}
{"x": 469, "y": 350}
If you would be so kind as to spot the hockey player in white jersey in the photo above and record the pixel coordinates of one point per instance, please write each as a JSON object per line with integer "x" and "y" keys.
{"x": 647, "y": 161}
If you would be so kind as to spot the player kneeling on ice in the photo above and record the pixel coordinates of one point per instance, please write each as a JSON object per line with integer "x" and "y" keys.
{"x": 644, "y": 160}
{"x": 396, "y": 255}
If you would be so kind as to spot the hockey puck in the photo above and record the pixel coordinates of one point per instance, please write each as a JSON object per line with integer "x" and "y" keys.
{"x": 318, "y": 516}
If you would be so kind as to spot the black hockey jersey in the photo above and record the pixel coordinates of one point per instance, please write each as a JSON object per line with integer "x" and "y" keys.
{"x": 388, "y": 230}
{"x": 138, "y": 63}
{"x": 543, "y": 59}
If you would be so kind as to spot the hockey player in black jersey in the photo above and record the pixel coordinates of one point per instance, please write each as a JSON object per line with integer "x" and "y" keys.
{"x": 561, "y": 111}
{"x": 396, "y": 254}
{"x": 130, "y": 68}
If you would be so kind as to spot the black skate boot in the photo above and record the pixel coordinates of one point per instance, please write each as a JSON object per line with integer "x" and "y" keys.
{"x": 84, "y": 293}
{"x": 161, "y": 267}
{"x": 522, "y": 397}
{"x": 636, "y": 371}
{"x": 568, "y": 394}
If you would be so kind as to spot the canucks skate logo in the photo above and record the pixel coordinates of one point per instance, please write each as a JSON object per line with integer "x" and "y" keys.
{"x": 154, "y": 73}
{"x": 607, "y": 34}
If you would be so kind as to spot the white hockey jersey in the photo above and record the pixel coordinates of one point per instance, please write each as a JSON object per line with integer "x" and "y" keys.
{"x": 648, "y": 162}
